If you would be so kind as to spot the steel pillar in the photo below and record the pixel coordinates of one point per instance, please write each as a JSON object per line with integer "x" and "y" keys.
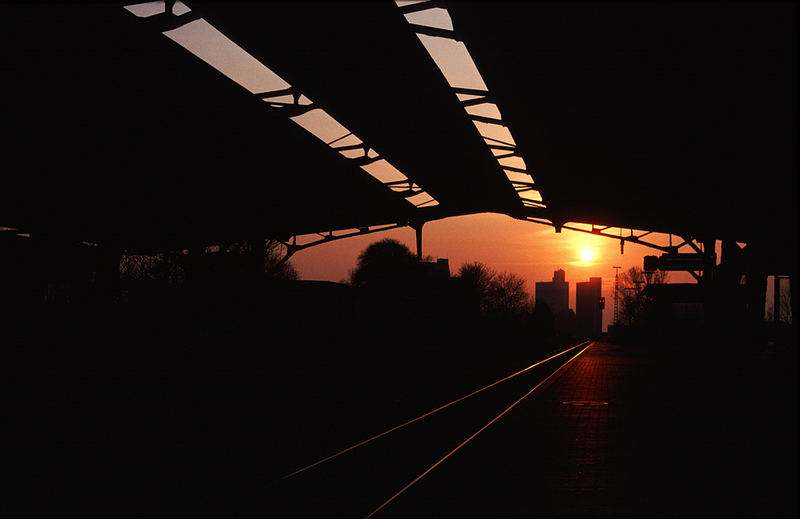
{"x": 418, "y": 230}
{"x": 709, "y": 266}
{"x": 756, "y": 297}
{"x": 776, "y": 297}
{"x": 793, "y": 294}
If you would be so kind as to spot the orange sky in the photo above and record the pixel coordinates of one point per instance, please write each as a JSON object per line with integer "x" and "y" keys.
{"x": 532, "y": 251}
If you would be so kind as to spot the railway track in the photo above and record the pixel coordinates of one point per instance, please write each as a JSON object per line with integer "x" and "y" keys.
{"x": 365, "y": 478}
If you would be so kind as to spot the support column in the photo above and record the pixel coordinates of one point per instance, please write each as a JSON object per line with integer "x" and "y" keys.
{"x": 731, "y": 302}
{"x": 714, "y": 314}
{"x": 793, "y": 295}
{"x": 756, "y": 300}
{"x": 418, "y": 229}
{"x": 106, "y": 273}
{"x": 709, "y": 257}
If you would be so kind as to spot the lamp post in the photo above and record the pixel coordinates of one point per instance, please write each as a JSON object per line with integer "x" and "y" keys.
{"x": 616, "y": 293}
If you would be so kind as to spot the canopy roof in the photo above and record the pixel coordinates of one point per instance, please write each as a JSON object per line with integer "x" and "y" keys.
{"x": 676, "y": 117}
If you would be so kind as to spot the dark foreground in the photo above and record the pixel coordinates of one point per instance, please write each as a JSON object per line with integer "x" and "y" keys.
{"x": 168, "y": 421}
{"x": 627, "y": 432}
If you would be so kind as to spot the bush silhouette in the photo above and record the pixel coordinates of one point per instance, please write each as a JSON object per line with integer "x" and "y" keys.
{"x": 384, "y": 264}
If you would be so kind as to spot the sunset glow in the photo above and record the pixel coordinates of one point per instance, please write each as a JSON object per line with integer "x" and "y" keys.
{"x": 505, "y": 244}
{"x": 586, "y": 254}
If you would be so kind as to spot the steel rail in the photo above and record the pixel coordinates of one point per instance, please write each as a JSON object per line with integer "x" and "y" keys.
{"x": 429, "y": 413}
{"x": 476, "y": 433}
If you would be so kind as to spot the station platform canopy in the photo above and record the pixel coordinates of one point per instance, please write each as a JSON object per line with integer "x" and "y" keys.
{"x": 157, "y": 125}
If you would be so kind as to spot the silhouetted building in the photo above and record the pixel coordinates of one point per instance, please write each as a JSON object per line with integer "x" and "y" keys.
{"x": 440, "y": 269}
{"x": 679, "y": 305}
{"x": 589, "y": 316}
{"x": 555, "y": 294}
{"x": 566, "y": 322}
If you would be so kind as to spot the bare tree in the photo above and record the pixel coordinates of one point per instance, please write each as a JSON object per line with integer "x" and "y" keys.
{"x": 507, "y": 295}
{"x": 785, "y": 308}
{"x": 477, "y": 278}
{"x": 161, "y": 267}
{"x": 273, "y": 265}
{"x": 497, "y": 293}
{"x": 169, "y": 267}
{"x": 630, "y": 285}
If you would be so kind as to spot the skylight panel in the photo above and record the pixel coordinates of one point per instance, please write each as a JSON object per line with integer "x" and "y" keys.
{"x": 180, "y": 8}
{"x": 349, "y": 145}
{"x": 493, "y": 131}
{"x": 278, "y": 101}
{"x": 454, "y": 61}
{"x": 403, "y": 3}
{"x": 346, "y": 140}
{"x": 352, "y": 153}
{"x": 516, "y": 176}
{"x": 434, "y": 17}
{"x": 207, "y": 43}
{"x": 434, "y": 28}
{"x": 422, "y": 200}
{"x": 148, "y": 9}
{"x": 494, "y": 142}
{"x": 204, "y": 41}
{"x": 512, "y": 162}
{"x": 484, "y": 110}
{"x": 286, "y": 99}
{"x": 532, "y": 196}
{"x": 321, "y": 125}
{"x": 383, "y": 171}
{"x": 467, "y": 97}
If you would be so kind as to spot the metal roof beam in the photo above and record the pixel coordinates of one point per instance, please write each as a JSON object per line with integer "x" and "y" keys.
{"x": 420, "y": 6}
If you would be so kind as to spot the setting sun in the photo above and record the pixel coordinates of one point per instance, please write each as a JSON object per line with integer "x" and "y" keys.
{"x": 586, "y": 254}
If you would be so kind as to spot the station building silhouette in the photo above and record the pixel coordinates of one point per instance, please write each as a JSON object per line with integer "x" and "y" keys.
{"x": 555, "y": 293}
{"x": 589, "y": 315}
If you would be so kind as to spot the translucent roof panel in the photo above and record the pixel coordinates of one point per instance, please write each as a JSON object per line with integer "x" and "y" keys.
{"x": 454, "y": 61}
{"x": 434, "y": 17}
{"x": 204, "y": 41}
{"x": 321, "y": 125}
